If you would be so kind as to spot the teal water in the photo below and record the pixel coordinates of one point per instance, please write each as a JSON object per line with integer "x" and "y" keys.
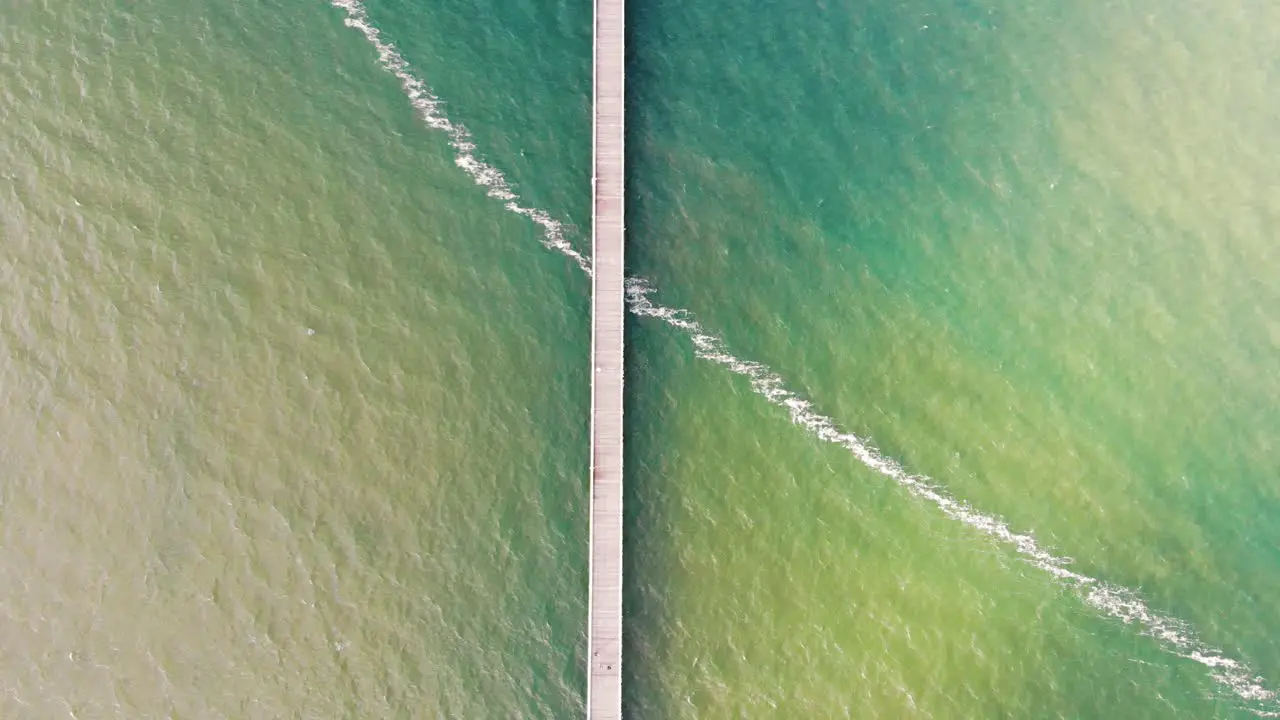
{"x": 294, "y": 386}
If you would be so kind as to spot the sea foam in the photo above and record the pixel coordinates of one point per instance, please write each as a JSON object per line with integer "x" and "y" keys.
{"x": 1117, "y": 602}
{"x": 428, "y": 107}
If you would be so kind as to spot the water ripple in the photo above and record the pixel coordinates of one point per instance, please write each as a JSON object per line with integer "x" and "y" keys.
{"x": 1117, "y": 602}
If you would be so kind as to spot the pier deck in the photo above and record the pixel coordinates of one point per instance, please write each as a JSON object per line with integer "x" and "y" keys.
{"x": 604, "y": 614}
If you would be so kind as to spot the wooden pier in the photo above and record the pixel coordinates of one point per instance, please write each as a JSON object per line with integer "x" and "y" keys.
{"x": 604, "y": 605}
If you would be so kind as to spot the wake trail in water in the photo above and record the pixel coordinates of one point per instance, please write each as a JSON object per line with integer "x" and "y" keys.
{"x": 1115, "y": 601}
{"x": 1121, "y": 603}
{"x": 428, "y": 107}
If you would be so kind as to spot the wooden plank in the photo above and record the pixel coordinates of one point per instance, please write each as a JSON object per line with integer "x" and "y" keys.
{"x": 604, "y": 644}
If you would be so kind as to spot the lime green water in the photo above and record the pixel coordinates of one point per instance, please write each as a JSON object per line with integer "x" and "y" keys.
{"x": 295, "y": 411}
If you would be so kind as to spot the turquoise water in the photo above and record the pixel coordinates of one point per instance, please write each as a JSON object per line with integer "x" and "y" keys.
{"x": 295, "y": 390}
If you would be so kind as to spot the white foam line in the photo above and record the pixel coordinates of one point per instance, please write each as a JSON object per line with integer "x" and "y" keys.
{"x": 1115, "y": 601}
{"x": 1118, "y": 602}
{"x": 428, "y": 107}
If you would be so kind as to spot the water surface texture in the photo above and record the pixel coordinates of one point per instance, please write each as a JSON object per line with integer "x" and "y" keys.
{"x": 974, "y": 419}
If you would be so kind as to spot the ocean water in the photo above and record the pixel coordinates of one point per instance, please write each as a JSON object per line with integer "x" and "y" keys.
{"x": 271, "y": 448}
{"x": 951, "y": 369}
